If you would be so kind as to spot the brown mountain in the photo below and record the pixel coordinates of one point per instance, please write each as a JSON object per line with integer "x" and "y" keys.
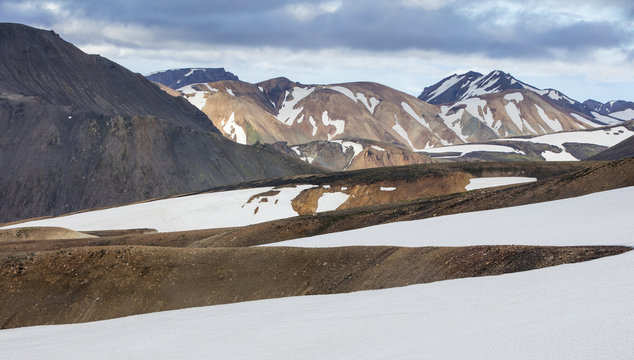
{"x": 79, "y": 131}
{"x": 282, "y": 110}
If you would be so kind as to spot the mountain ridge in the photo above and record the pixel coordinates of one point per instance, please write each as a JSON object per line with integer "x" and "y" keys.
{"x": 177, "y": 78}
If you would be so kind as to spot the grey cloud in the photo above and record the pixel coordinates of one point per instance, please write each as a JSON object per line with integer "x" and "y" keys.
{"x": 365, "y": 25}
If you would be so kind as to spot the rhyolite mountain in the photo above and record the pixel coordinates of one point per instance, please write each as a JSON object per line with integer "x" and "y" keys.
{"x": 283, "y": 110}
{"x": 79, "y": 131}
{"x": 472, "y": 84}
{"x": 177, "y": 78}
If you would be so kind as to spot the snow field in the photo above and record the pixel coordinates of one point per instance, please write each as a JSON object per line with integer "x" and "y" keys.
{"x": 575, "y": 311}
{"x": 194, "y": 212}
{"x": 468, "y": 148}
{"x": 555, "y": 223}
{"x": 627, "y": 114}
{"x": 604, "y": 137}
{"x": 201, "y": 211}
{"x": 487, "y": 182}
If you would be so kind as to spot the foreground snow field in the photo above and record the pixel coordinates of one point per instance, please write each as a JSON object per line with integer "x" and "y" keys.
{"x": 215, "y": 210}
{"x": 579, "y": 311}
{"x": 576, "y": 311}
{"x": 193, "y": 212}
{"x": 603, "y": 218}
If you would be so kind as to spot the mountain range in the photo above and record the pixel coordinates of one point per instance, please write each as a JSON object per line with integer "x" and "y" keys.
{"x": 79, "y": 131}
{"x": 460, "y": 109}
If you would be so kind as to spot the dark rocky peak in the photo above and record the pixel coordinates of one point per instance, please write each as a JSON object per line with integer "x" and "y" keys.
{"x": 38, "y": 63}
{"x": 177, "y": 78}
{"x": 593, "y": 105}
{"x": 459, "y": 87}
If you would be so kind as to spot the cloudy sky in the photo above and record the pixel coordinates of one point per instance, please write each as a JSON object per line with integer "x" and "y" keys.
{"x": 584, "y": 48}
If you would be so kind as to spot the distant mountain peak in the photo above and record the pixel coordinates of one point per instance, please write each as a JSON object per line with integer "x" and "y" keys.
{"x": 177, "y": 78}
{"x": 459, "y": 87}
{"x": 619, "y": 109}
{"x": 462, "y": 86}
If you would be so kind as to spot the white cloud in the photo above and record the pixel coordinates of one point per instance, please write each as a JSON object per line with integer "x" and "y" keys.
{"x": 429, "y": 5}
{"x": 604, "y": 75}
{"x": 307, "y": 12}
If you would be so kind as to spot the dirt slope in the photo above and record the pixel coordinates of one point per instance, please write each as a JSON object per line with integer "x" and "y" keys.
{"x": 94, "y": 283}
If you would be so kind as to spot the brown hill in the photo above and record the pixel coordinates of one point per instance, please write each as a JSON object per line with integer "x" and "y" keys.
{"x": 96, "y": 283}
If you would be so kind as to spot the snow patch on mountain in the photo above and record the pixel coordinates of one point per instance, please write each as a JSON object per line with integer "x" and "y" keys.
{"x": 359, "y": 97}
{"x": 195, "y": 97}
{"x": 210, "y": 88}
{"x": 514, "y": 113}
{"x": 517, "y": 97}
{"x": 403, "y": 134}
{"x": 605, "y": 119}
{"x": 453, "y": 120}
{"x": 553, "y": 124}
{"x": 287, "y": 112}
{"x": 331, "y": 201}
{"x": 445, "y": 86}
{"x": 556, "y": 95}
{"x": 235, "y": 131}
{"x": 313, "y": 123}
{"x": 230, "y": 92}
{"x": 191, "y": 71}
{"x": 408, "y": 109}
{"x": 627, "y": 114}
{"x": 584, "y": 120}
{"x": 338, "y": 124}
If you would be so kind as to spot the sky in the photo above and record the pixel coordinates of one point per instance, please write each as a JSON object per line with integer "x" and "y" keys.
{"x": 584, "y": 48}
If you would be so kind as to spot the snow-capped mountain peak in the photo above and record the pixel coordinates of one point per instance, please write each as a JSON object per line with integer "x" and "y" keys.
{"x": 459, "y": 87}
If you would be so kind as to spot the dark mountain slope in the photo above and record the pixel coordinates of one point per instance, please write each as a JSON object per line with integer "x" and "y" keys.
{"x": 79, "y": 131}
